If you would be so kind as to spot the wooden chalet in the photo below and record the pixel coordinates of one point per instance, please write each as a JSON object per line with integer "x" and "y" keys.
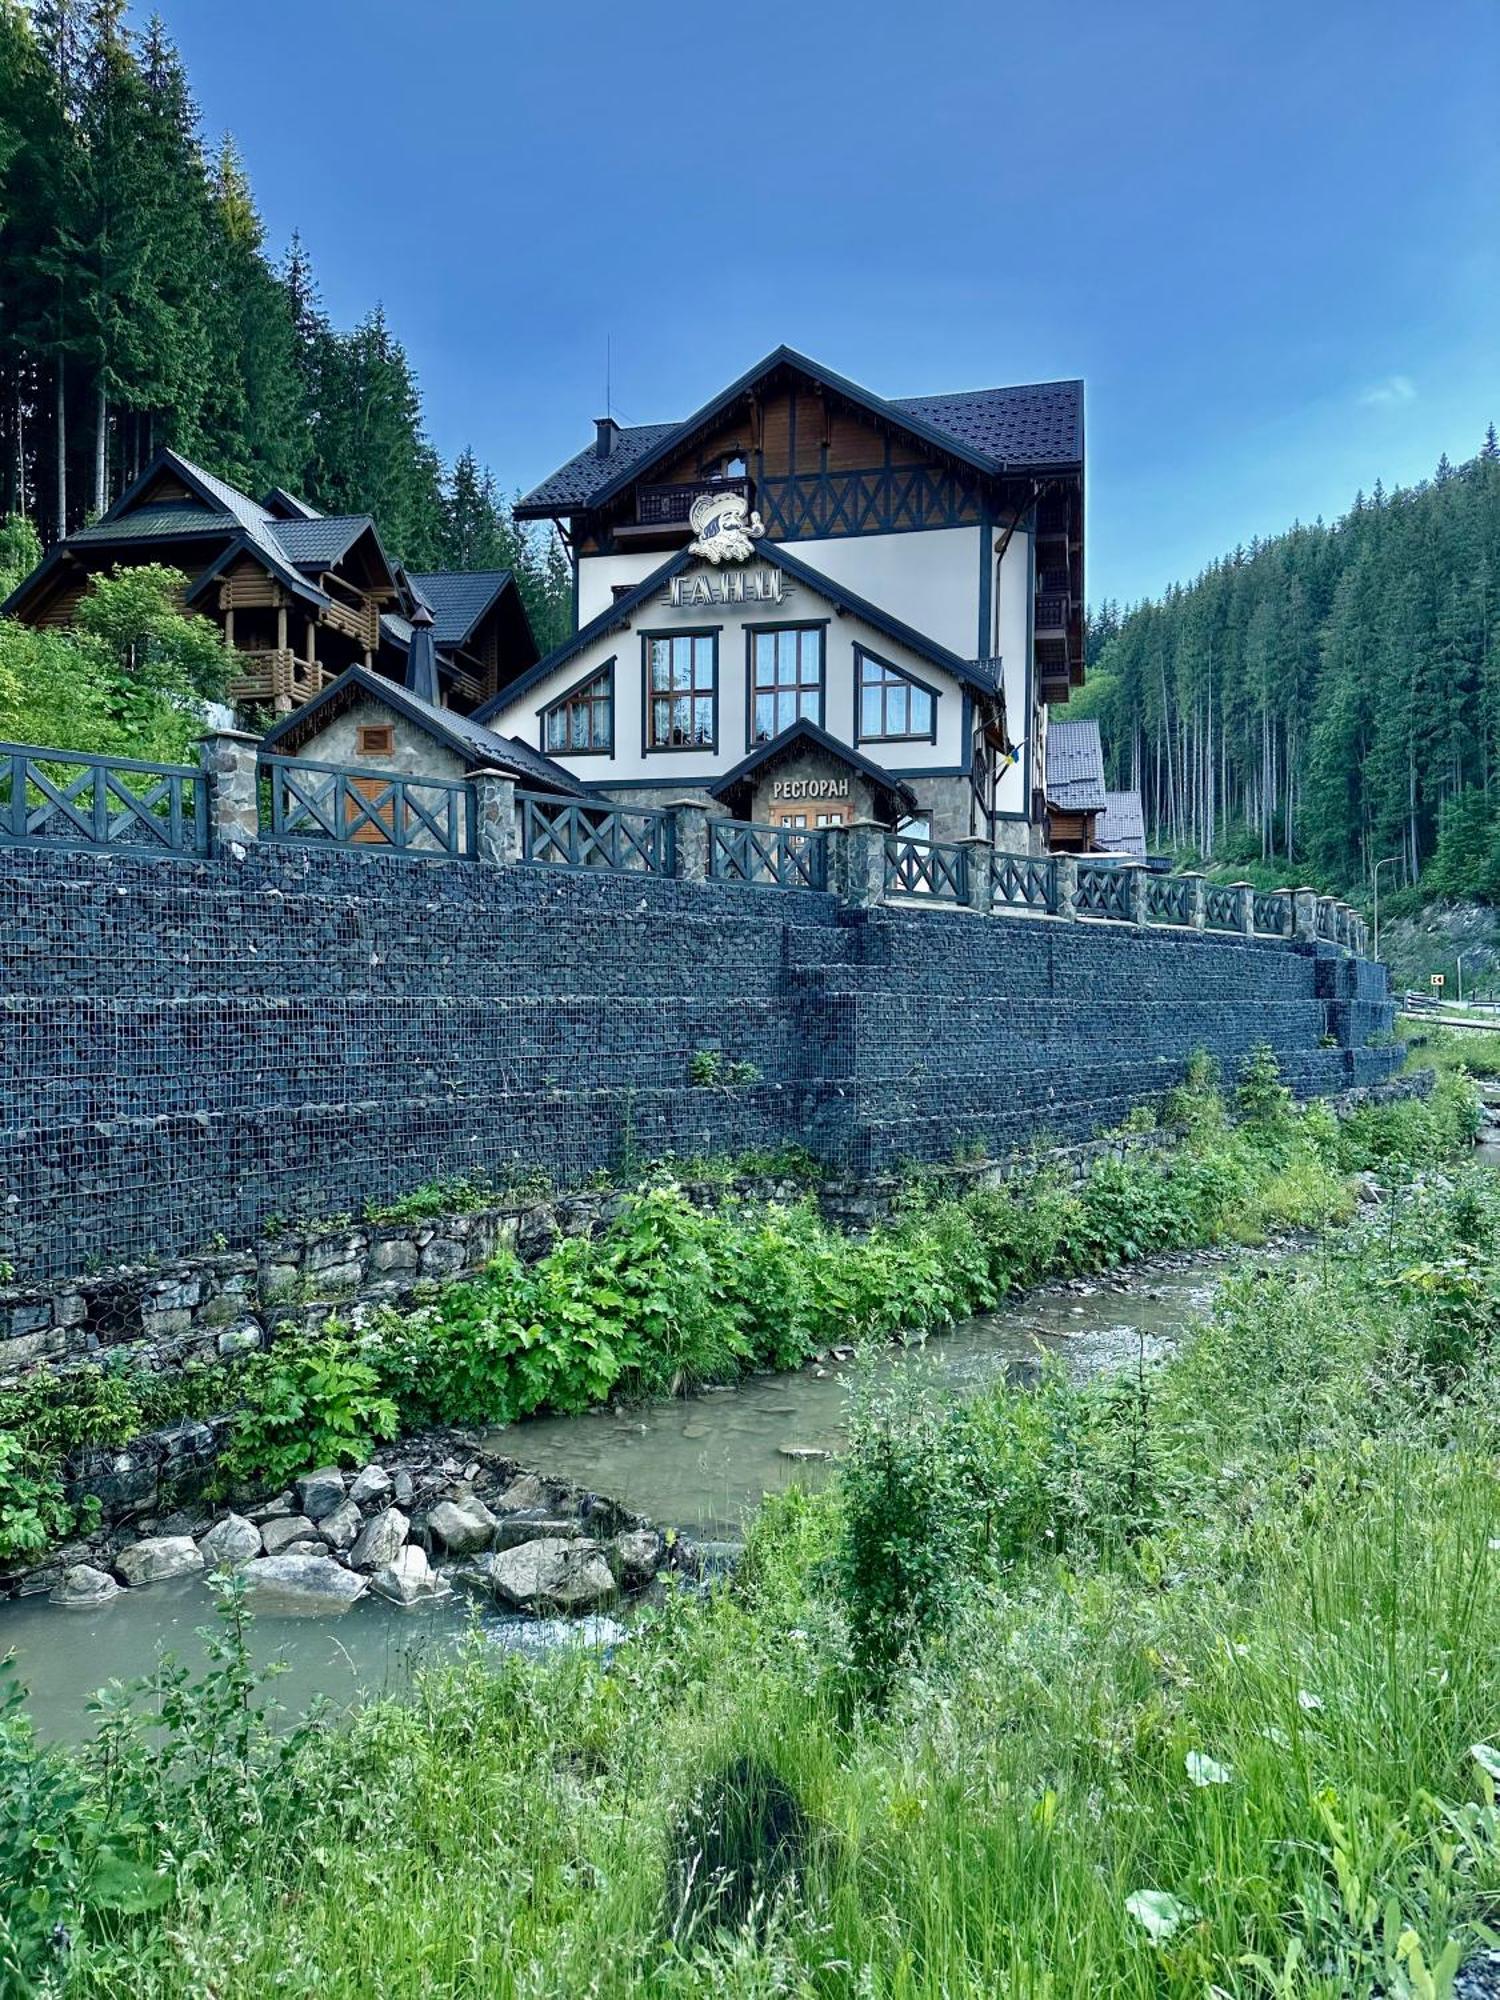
{"x": 300, "y": 596}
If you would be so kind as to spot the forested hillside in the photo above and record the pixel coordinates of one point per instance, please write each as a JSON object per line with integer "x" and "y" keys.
{"x": 1328, "y": 697}
{"x": 139, "y": 307}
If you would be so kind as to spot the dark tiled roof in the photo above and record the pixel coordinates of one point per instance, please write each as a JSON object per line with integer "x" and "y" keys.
{"x": 584, "y": 474}
{"x": 167, "y": 517}
{"x": 288, "y": 505}
{"x": 315, "y": 544}
{"x": 458, "y": 599}
{"x": 1027, "y": 425}
{"x": 1122, "y": 830}
{"x": 1037, "y": 423}
{"x": 1075, "y": 766}
{"x": 472, "y": 741}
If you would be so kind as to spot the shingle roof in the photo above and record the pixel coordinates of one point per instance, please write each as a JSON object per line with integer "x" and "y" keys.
{"x": 585, "y": 473}
{"x": 803, "y": 732}
{"x": 458, "y": 599}
{"x": 1027, "y": 425}
{"x": 316, "y": 544}
{"x": 1075, "y": 766}
{"x": 1035, "y": 423}
{"x": 1122, "y": 830}
{"x": 168, "y": 517}
{"x": 462, "y": 733}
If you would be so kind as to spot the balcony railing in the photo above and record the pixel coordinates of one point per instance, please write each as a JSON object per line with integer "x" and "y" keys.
{"x": 770, "y": 857}
{"x": 933, "y": 868}
{"x": 667, "y": 506}
{"x": 1052, "y": 612}
{"x": 277, "y": 675}
{"x": 1026, "y": 882}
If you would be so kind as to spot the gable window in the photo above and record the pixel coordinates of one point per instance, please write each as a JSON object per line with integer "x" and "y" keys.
{"x": 581, "y": 723}
{"x": 375, "y": 739}
{"x": 786, "y": 679}
{"x": 893, "y": 707}
{"x": 682, "y": 691}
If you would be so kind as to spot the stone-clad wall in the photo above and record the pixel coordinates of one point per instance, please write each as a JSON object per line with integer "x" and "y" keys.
{"x": 188, "y": 1049}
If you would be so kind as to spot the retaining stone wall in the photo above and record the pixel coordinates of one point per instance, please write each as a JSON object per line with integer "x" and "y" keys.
{"x": 188, "y": 1049}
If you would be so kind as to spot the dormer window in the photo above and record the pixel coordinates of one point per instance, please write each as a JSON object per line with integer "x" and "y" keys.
{"x": 581, "y": 723}
{"x": 894, "y": 707}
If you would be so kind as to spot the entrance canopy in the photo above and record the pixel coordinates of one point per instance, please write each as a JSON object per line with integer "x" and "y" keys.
{"x": 804, "y": 773}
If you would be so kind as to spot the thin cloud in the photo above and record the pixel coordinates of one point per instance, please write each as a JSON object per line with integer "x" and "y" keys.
{"x": 1386, "y": 395}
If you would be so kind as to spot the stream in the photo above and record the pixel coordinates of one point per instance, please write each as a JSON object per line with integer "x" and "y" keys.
{"x": 699, "y": 1464}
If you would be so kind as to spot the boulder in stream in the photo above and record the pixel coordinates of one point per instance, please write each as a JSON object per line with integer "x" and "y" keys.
{"x": 380, "y": 1540}
{"x": 301, "y": 1586}
{"x": 638, "y": 1556}
{"x": 340, "y": 1528}
{"x": 318, "y": 1493}
{"x": 285, "y": 1531}
{"x": 550, "y": 1574}
{"x": 158, "y": 1559}
{"x": 410, "y": 1579}
{"x": 84, "y": 1588}
{"x": 370, "y": 1488}
{"x": 229, "y": 1542}
{"x": 462, "y": 1527}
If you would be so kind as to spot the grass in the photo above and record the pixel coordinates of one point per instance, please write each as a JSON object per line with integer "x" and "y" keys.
{"x": 1199, "y": 1717}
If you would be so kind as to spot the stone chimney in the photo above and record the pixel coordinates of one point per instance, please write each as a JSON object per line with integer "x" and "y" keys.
{"x": 606, "y": 431}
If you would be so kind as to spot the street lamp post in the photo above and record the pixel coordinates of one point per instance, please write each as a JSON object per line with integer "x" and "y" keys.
{"x": 1459, "y": 961}
{"x": 1386, "y": 863}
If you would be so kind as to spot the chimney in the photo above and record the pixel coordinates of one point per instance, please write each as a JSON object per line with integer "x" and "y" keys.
{"x": 607, "y": 431}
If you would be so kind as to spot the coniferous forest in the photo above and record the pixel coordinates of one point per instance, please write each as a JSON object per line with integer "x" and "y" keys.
{"x": 1328, "y": 697}
{"x": 140, "y": 305}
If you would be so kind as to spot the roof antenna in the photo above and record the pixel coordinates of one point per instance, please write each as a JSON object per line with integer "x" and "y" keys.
{"x": 609, "y": 406}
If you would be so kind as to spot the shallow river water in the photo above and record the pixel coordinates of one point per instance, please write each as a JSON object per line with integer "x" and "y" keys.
{"x": 699, "y": 1464}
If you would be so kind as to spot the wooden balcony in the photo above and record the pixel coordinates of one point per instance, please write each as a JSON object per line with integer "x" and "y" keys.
{"x": 362, "y": 626}
{"x": 1052, "y": 609}
{"x": 278, "y": 678}
{"x": 667, "y": 506}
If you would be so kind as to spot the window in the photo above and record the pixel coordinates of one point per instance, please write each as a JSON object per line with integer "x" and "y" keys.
{"x": 582, "y": 723}
{"x": 786, "y": 680}
{"x": 375, "y": 739}
{"x": 893, "y": 707}
{"x": 682, "y": 691}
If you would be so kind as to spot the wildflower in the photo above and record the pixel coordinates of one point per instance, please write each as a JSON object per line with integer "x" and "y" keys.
{"x": 1204, "y": 1771}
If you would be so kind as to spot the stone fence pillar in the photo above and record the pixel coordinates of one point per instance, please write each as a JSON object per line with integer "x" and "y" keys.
{"x": 229, "y": 758}
{"x": 1244, "y": 908}
{"x": 497, "y": 831}
{"x": 857, "y": 863}
{"x": 1067, "y": 886}
{"x": 1135, "y": 890}
{"x": 690, "y": 839}
{"x": 1305, "y": 914}
{"x": 980, "y": 874}
{"x": 1328, "y": 919}
{"x": 1197, "y": 900}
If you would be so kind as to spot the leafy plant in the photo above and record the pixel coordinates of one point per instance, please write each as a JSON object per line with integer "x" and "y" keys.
{"x": 306, "y": 1402}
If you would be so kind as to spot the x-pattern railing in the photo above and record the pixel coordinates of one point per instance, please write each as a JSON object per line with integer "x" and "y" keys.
{"x": 1024, "y": 881}
{"x": 1272, "y": 914}
{"x": 1103, "y": 892}
{"x": 68, "y": 795}
{"x": 356, "y": 807}
{"x": 565, "y": 835}
{"x": 777, "y": 857}
{"x": 1168, "y": 899}
{"x": 927, "y": 868}
{"x": 1221, "y": 907}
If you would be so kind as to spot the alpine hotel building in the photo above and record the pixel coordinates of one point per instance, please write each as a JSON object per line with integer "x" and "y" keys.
{"x": 809, "y": 604}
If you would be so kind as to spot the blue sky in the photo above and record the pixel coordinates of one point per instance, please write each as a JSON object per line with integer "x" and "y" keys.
{"x": 1266, "y": 234}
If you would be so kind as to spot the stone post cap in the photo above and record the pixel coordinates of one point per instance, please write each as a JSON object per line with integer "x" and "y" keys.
{"x": 1240, "y": 885}
{"x": 494, "y": 771}
{"x": 229, "y": 736}
{"x": 973, "y": 840}
{"x": 689, "y": 805}
{"x": 858, "y": 826}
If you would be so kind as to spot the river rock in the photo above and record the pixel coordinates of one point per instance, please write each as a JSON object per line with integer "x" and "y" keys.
{"x": 159, "y": 1559}
{"x": 410, "y": 1579}
{"x": 84, "y": 1588}
{"x": 462, "y": 1527}
{"x": 552, "y": 1574}
{"x": 803, "y": 1452}
{"x": 370, "y": 1488}
{"x": 514, "y": 1529}
{"x": 522, "y": 1495}
{"x": 380, "y": 1539}
{"x": 274, "y": 1510}
{"x": 230, "y": 1541}
{"x": 638, "y": 1556}
{"x": 403, "y": 1489}
{"x": 340, "y": 1528}
{"x": 320, "y": 1492}
{"x": 294, "y": 1585}
{"x": 284, "y": 1531}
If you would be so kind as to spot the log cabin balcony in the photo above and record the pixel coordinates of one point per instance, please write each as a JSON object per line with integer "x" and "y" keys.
{"x": 1053, "y": 608}
{"x": 277, "y": 678}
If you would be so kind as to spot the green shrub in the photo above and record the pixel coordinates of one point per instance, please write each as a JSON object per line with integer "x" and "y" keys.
{"x": 306, "y": 1402}
{"x": 33, "y": 1509}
